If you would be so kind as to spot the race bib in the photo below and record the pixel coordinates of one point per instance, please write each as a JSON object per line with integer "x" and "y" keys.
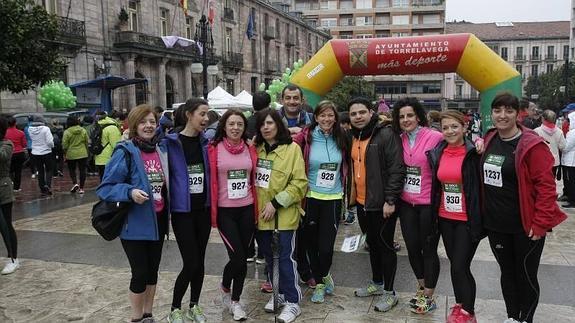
{"x": 492, "y": 170}
{"x": 237, "y": 184}
{"x": 413, "y": 180}
{"x": 452, "y": 198}
{"x": 156, "y": 183}
{"x": 196, "y": 178}
{"x": 326, "y": 175}
{"x": 263, "y": 173}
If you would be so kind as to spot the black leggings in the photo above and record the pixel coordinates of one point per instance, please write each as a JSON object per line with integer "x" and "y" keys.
{"x": 320, "y": 229}
{"x": 237, "y": 228}
{"x": 81, "y": 163}
{"x": 382, "y": 256}
{"x": 460, "y": 250}
{"x": 10, "y": 239}
{"x": 144, "y": 257}
{"x": 300, "y": 253}
{"x": 192, "y": 231}
{"x": 44, "y": 165}
{"x": 16, "y": 165}
{"x": 518, "y": 258}
{"x": 421, "y": 241}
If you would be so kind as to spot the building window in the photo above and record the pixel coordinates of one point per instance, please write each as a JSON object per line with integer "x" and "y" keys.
{"x": 297, "y": 57}
{"x": 278, "y": 59}
{"x": 551, "y": 52}
{"x": 431, "y": 19}
{"x": 400, "y": 20}
{"x": 189, "y": 27}
{"x": 254, "y": 84}
{"x": 141, "y": 95}
{"x": 228, "y": 40}
{"x": 164, "y": 15}
{"x": 400, "y": 3}
{"x": 535, "y": 52}
{"x": 363, "y": 4}
{"x": 328, "y": 4}
{"x": 425, "y": 88}
{"x": 133, "y": 15}
{"x": 364, "y": 36}
{"x": 519, "y": 53}
{"x": 254, "y": 54}
{"x": 549, "y": 68}
{"x": 278, "y": 33}
{"x": 288, "y": 55}
{"x": 253, "y": 11}
{"x": 565, "y": 52}
{"x": 329, "y": 22}
{"x": 230, "y": 86}
{"x": 346, "y": 4}
{"x": 404, "y": 34}
{"x": 51, "y": 6}
{"x": 459, "y": 90}
{"x": 534, "y": 70}
{"x": 382, "y": 3}
{"x": 393, "y": 88}
{"x": 504, "y": 53}
{"x": 364, "y": 21}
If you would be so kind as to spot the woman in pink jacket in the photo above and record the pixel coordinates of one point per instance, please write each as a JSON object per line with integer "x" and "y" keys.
{"x": 415, "y": 211}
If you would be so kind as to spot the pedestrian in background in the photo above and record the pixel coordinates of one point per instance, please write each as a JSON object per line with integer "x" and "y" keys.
{"x": 19, "y": 155}
{"x": 57, "y": 133}
{"x": 191, "y": 221}
{"x": 88, "y": 125}
{"x": 30, "y": 162}
{"x": 138, "y": 173}
{"x": 42, "y": 156}
{"x": 324, "y": 145}
{"x": 6, "y": 200}
{"x": 553, "y": 137}
{"x": 111, "y": 135}
{"x": 75, "y": 146}
{"x": 519, "y": 204}
{"x": 418, "y": 226}
{"x": 281, "y": 185}
{"x": 568, "y": 163}
{"x": 233, "y": 198}
{"x": 455, "y": 205}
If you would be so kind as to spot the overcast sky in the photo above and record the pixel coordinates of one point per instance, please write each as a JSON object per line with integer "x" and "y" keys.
{"x": 508, "y": 10}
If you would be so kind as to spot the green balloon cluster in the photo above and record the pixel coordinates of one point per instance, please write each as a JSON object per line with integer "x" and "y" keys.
{"x": 55, "y": 95}
{"x": 277, "y": 85}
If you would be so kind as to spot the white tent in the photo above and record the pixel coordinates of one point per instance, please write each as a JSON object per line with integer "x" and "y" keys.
{"x": 244, "y": 98}
{"x": 218, "y": 98}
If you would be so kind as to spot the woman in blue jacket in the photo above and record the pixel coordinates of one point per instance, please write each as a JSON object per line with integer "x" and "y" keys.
{"x": 138, "y": 173}
{"x": 190, "y": 197}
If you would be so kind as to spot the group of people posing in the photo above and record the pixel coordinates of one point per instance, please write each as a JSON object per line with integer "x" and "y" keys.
{"x": 293, "y": 176}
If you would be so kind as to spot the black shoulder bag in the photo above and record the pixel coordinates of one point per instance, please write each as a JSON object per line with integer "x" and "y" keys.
{"x": 108, "y": 217}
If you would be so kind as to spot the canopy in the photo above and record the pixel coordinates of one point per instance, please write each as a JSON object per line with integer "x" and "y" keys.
{"x": 245, "y": 98}
{"x": 98, "y": 92}
{"x": 218, "y": 98}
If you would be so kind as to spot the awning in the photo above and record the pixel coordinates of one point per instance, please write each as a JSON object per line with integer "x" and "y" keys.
{"x": 108, "y": 82}
{"x": 97, "y": 93}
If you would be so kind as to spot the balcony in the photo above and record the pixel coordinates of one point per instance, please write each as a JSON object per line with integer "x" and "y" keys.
{"x": 535, "y": 57}
{"x": 229, "y": 14}
{"x": 271, "y": 66}
{"x": 233, "y": 61}
{"x": 269, "y": 33}
{"x": 346, "y": 22}
{"x": 519, "y": 58}
{"x": 550, "y": 57}
{"x": 290, "y": 40}
{"x": 152, "y": 46}
{"x": 71, "y": 34}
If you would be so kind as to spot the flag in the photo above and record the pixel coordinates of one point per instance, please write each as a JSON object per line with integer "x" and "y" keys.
{"x": 250, "y": 30}
{"x": 184, "y": 5}
{"x": 211, "y": 11}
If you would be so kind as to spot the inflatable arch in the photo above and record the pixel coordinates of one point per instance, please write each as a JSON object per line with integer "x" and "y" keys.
{"x": 464, "y": 54}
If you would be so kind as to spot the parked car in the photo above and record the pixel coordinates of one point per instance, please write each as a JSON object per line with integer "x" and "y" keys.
{"x": 22, "y": 118}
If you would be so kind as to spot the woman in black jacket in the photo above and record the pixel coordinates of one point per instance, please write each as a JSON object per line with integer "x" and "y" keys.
{"x": 455, "y": 204}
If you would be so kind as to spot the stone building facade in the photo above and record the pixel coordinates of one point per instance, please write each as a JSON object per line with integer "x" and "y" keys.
{"x": 96, "y": 42}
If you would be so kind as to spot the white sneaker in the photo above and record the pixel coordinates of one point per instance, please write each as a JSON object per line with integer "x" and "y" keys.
{"x": 290, "y": 312}
{"x": 238, "y": 312}
{"x": 270, "y": 304}
{"x": 11, "y": 267}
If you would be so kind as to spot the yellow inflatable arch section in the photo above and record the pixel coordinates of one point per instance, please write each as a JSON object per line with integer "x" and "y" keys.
{"x": 464, "y": 54}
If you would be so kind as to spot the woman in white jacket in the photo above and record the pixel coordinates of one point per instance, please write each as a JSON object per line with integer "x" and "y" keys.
{"x": 42, "y": 144}
{"x": 568, "y": 162}
{"x": 553, "y": 136}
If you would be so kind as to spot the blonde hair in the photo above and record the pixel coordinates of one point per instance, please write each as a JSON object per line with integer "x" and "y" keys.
{"x": 136, "y": 115}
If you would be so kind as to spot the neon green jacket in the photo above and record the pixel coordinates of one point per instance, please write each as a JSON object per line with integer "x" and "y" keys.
{"x": 110, "y": 137}
{"x": 75, "y": 143}
{"x": 287, "y": 184}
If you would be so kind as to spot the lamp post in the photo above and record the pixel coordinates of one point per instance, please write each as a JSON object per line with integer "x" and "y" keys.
{"x": 203, "y": 38}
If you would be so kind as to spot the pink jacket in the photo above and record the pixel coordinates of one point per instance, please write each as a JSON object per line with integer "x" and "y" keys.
{"x": 425, "y": 140}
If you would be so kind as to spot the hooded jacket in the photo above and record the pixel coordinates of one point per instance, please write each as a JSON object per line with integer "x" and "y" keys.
{"x": 18, "y": 138}
{"x": 42, "y": 139}
{"x": 75, "y": 143}
{"x": 554, "y": 139}
{"x": 536, "y": 183}
{"x": 385, "y": 170}
{"x": 110, "y": 137}
{"x": 568, "y": 157}
{"x": 6, "y": 187}
{"x": 471, "y": 187}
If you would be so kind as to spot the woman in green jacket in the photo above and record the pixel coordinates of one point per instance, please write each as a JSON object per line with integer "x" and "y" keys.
{"x": 75, "y": 145}
{"x": 281, "y": 184}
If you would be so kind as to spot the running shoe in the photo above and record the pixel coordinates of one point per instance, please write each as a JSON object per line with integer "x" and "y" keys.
{"x": 75, "y": 188}
{"x": 251, "y": 259}
{"x": 465, "y": 317}
{"x": 176, "y": 316}
{"x": 425, "y": 306}
{"x": 318, "y": 295}
{"x": 238, "y": 312}
{"x": 329, "y": 284}
{"x": 386, "y": 302}
{"x": 417, "y": 298}
{"x": 369, "y": 290}
{"x": 266, "y": 287}
{"x": 196, "y": 314}
{"x": 452, "y": 317}
{"x": 350, "y": 219}
{"x": 289, "y": 313}
{"x": 269, "y": 307}
{"x": 260, "y": 261}
{"x": 11, "y": 267}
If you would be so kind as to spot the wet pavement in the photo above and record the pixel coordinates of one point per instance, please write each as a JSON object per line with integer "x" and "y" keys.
{"x": 69, "y": 273}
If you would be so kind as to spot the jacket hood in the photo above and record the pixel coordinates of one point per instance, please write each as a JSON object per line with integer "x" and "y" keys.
{"x": 571, "y": 117}
{"x": 107, "y": 120}
{"x": 75, "y": 130}
{"x": 36, "y": 129}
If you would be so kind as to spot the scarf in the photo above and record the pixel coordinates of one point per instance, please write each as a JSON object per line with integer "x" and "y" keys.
{"x": 367, "y": 131}
{"x": 147, "y": 146}
{"x": 234, "y": 149}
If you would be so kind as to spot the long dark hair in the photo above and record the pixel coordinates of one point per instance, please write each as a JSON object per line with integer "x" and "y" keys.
{"x": 221, "y": 129}
{"x": 417, "y": 108}
{"x": 337, "y": 132}
{"x": 283, "y": 135}
{"x": 192, "y": 105}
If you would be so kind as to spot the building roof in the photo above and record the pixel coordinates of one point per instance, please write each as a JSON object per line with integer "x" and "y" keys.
{"x": 512, "y": 31}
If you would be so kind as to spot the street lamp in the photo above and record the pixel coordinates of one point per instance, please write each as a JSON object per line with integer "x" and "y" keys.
{"x": 203, "y": 38}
